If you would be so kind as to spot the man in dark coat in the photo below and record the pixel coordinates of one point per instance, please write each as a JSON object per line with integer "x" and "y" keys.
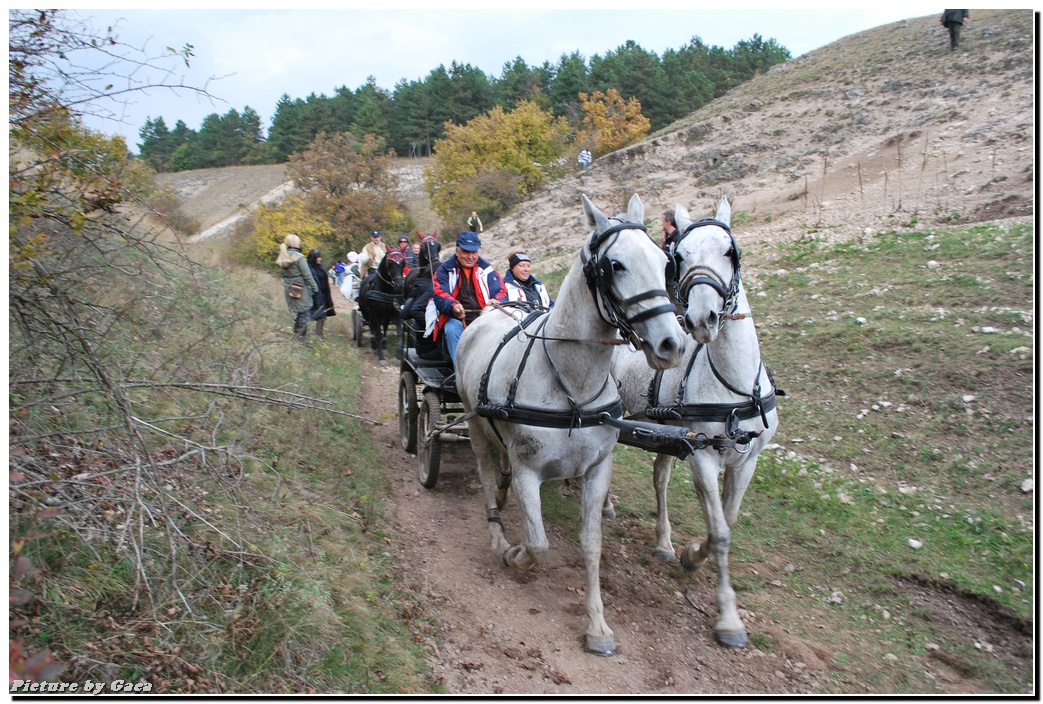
{"x": 954, "y": 19}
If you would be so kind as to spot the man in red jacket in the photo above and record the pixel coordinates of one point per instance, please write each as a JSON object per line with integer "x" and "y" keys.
{"x": 463, "y": 285}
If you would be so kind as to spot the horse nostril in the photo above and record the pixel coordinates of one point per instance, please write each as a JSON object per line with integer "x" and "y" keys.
{"x": 711, "y": 321}
{"x": 668, "y": 348}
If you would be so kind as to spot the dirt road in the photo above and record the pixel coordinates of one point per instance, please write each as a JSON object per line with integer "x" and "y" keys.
{"x": 512, "y": 633}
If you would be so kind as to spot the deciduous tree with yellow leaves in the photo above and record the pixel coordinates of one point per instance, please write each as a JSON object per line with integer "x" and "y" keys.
{"x": 610, "y": 122}
{"x": 495, "y": 160}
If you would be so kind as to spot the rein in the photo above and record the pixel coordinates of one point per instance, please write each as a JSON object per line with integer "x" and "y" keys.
{"x": 529, "y": 307}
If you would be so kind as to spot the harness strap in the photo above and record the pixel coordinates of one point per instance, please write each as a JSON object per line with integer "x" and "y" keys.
{"x": 544, "y": 418}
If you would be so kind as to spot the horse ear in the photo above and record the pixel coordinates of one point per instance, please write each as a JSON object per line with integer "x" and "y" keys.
{"x": 681, "y": 217}
{"x": 724, "y": 211}
{"x": 595, "y": 218}
{"x": 636, "y": 209}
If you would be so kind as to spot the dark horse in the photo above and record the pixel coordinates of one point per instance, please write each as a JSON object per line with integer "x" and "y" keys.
{"x": 380, "y": 299}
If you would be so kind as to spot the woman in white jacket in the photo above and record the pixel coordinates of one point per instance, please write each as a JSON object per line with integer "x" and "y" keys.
{"x": 522, "y": 285}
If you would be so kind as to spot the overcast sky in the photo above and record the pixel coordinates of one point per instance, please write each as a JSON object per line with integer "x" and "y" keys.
{"x": 254, "y": 56}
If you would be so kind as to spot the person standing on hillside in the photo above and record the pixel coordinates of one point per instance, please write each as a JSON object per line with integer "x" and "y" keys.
{"x": 585, "y": 157}
{"x": 322, "y": 305}
{"x": 298, "y": 284}
{"x": 474, "y": 223}
{"x": 953, "y": 20}
{"x": 464, "y": 285}
{"x": 372, "y": 254}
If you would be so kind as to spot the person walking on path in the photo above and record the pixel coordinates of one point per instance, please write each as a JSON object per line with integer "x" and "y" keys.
{"x": 322, "y": 305}
{"x": 298, "y": 284}
{"x": 585, "y": 157}
{"x": 464, "y": 285}
{"x": 522, "y": 285}
{"x": 372, "y": 254}
{"x": 954, "y": 20}
{"x": 474, "y": 223}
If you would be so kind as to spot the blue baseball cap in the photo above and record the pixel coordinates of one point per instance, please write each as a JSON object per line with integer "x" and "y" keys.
{"x": 468, "y": 241}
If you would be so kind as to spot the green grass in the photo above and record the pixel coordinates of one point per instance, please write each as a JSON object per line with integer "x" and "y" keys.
{"x": 309, "y": 598}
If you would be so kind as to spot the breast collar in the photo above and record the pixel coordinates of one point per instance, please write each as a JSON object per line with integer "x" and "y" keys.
{"x": 578, "y": 415}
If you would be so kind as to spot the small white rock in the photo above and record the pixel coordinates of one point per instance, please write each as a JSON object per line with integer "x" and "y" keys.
{"x": 933, "y": 265}
{"x": 861, "y": 321}
{"x": 891, "y": 657}
{"x": 988, "y": 330}
{"x": 835, "y": 598}
{"x": 915, "y": 544}
{"x": 968, "y": 398}
{"x": 997, "y": 588}
{"x": 1027, "y": 486}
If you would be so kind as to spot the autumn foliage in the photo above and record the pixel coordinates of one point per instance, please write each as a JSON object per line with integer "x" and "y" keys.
{"x": 344, "y": 190}
{"x": 610, "y": 122}
{"x": 495, "y": 160}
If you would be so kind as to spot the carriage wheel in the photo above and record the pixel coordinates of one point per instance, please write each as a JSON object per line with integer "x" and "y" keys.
{"x": 356, "y": 319}
{"x": 408, "y": 409}
{"x": 428, "y": 450}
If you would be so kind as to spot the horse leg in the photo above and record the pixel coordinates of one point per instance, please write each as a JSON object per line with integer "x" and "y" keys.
{"x": 379, "y": 340}
{"x": 664, "y": 550}
{"x": 608, "y": 511}
{"x": 527, "y": 490}
{"x": 487, "y": 475}
{"x": 729, "y": 629}
{"x": 600, "y": 639}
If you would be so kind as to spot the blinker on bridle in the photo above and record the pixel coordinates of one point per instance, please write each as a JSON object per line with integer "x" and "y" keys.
{"x": 599, "y": 273}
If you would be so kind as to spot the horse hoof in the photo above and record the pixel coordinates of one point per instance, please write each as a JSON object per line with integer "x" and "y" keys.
{"x": 688, "y": 562}
{"x": 601, "y": 645}
{"x": 609, "y": 515}
{"x": 664, "y": 556}
{"x": 732, "y": 639}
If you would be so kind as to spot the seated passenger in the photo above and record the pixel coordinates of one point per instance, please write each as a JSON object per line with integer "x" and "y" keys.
{"x": 464, "y": 285}
{"x": 522, "y": 285}
{"x": 419, "y": 290}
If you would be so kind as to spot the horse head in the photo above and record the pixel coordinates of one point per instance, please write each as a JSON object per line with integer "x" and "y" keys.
{"x": 429, "y": 252}
{"x": 707, "y": 267}
{"x": 391, "y": 273}
{"x": 625, "y": 272}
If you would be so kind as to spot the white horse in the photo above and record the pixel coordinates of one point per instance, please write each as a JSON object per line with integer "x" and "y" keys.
{"x": 541, "y": 388}
{"x": 721, "y": 389}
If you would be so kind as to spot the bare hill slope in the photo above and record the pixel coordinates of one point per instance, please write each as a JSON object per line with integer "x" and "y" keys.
{"x": 874, "y": 130}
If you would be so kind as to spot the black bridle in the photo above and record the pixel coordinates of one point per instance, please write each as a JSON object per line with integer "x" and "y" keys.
{"x": 384, "y": 271}
{"x": 599, "y": 271}
{"x": 698, "y": 274}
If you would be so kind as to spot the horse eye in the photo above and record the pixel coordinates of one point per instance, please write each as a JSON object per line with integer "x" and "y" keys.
{"x": 730, "y": 252}
{"x": 616, "y": 266}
